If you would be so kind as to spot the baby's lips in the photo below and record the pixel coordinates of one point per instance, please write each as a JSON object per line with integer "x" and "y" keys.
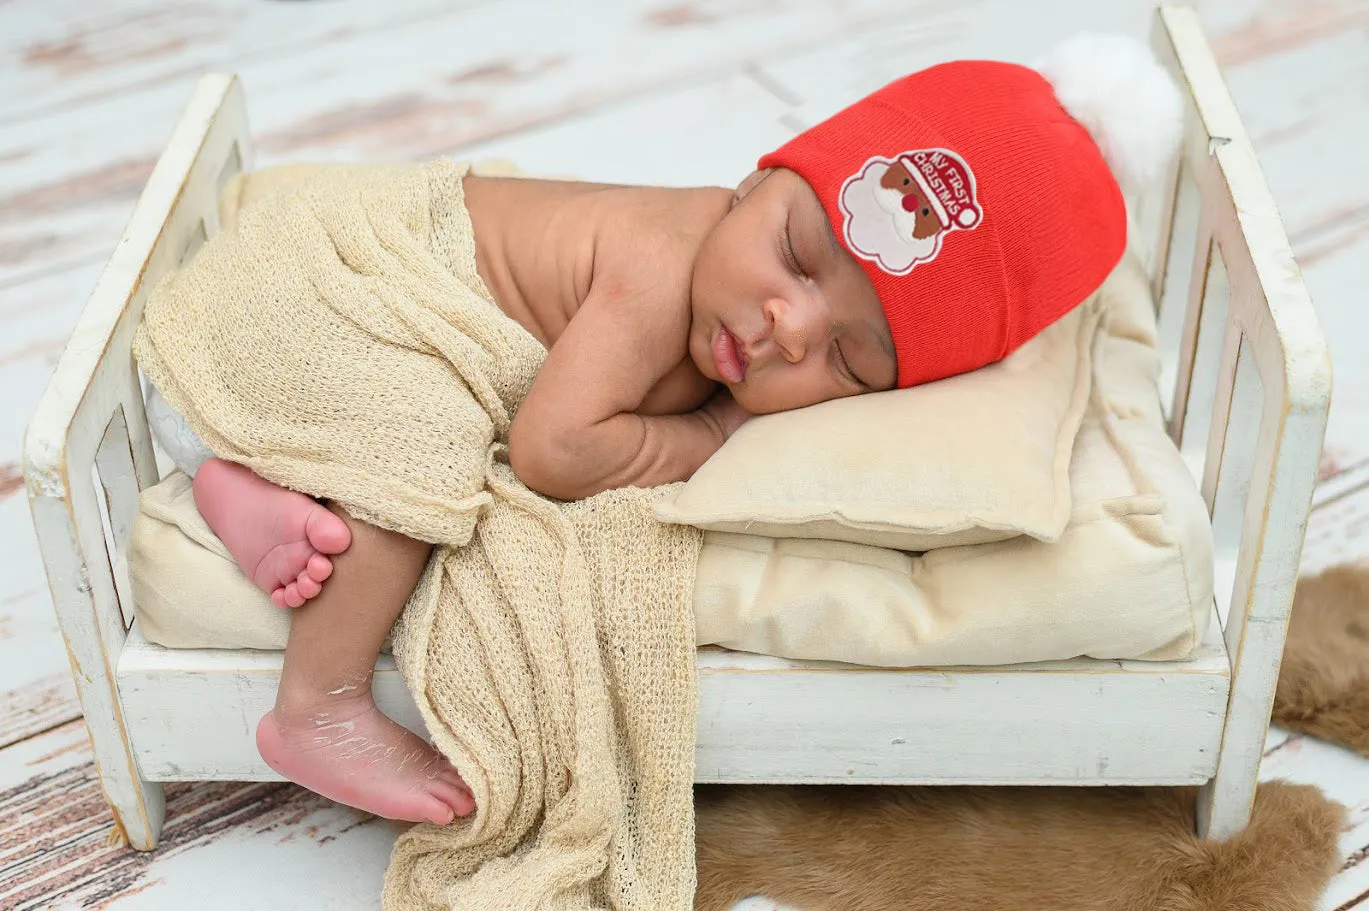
{"x": 728, "y": 357}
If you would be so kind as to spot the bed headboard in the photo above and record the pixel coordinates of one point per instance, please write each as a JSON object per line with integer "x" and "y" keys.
{"x": 1249, "y": 375}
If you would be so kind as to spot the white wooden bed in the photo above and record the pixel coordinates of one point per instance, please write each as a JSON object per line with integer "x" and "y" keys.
{"x": 1251, "y": 384}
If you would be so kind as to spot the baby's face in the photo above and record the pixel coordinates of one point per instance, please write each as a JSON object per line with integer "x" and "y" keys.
{"x": 782, "y": 313}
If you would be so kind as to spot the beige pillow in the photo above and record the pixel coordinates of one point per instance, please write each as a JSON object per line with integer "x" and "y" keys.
{"x": 1130, "y": 577}
{"x": 976, "y": 458}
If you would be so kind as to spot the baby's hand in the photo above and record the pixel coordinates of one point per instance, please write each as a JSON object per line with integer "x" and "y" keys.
{"x": 724, "y": 410}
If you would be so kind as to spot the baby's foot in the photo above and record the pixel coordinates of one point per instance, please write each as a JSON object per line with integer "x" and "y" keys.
{"x": 280, "y": 538}
{"x": 349, "y": 751}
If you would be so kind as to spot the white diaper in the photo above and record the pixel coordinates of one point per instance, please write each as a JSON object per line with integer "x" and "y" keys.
{"x": 173, "y": 433}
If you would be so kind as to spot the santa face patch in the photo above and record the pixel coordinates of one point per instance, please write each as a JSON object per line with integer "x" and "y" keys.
{"x": 898, "y": 209}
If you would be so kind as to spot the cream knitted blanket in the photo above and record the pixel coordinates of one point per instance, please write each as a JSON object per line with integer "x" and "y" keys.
{"x": 339, "y": 341}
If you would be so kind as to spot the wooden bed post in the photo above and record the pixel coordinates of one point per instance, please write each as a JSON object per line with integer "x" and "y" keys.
{"x": 88, "y": 451}
{"x": 1251, "y": 395}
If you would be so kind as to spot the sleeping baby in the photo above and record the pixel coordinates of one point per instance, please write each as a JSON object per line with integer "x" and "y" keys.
{"x": 927, "y": 230}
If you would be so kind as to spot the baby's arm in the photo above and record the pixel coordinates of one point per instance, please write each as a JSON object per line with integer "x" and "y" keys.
{"x": 578, "y": 433}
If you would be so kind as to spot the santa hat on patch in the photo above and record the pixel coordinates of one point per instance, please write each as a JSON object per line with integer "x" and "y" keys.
{"x": 985, "y": 199}
{"x": 950, "y": 212}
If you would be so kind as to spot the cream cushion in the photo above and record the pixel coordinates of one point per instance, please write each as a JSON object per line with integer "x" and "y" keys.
{"x": 979, "y": 457}
{"x": 187, "y": 589}
{"x": 1129, "y": 577}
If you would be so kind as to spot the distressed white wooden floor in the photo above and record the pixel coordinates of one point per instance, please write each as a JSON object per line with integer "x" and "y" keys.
{"x": 622, "y": 90}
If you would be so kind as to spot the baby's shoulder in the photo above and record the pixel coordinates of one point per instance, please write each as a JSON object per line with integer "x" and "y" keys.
{"x": 652, "y": 237}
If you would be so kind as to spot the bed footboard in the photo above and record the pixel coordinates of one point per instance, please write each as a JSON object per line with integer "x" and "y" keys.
{"x": 88, "y": 454}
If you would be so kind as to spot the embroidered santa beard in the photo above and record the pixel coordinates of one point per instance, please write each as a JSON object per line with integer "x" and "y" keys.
{"x": 880, "y": 228}
{"x": 897, "y": 210}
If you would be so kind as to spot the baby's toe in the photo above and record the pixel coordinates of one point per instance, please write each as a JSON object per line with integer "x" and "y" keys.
{"x": 319, "y": 568}
{"x": 292, "y": 596}
{"x": 326, "y": 532}
{"x": 437, "y": 810}
{"x": 456, "y": 801}
{"x": 307, "y": 587}
{"x": 278, "y": 598}
{"x": 452, "y": 777}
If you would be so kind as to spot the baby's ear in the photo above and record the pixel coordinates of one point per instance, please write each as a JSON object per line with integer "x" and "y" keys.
{"x": 749, "y": 183}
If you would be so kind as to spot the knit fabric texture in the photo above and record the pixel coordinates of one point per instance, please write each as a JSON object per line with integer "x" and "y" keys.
{"x": 981, "y": 211}
{"x": 339, "y": 341}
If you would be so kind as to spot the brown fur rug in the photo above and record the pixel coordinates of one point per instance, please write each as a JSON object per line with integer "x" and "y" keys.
{"x": 1324, "y": 680}
{"x": 1059, "y": 849}
{"x": 845, "y": 848}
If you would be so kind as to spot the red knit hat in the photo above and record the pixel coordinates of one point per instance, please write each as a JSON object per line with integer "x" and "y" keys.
{"x": 981, "y": 210}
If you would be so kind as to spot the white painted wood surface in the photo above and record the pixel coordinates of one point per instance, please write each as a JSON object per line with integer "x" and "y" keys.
{"x": 191, "y": 714}
{"x": 77, "y": 139}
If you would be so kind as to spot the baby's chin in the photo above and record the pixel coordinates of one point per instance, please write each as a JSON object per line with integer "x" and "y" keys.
{"x": 753, "y": 402}
{"x": 747, "y": 397}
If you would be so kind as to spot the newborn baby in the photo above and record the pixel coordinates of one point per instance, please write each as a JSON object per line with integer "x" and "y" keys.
{"x": 927, "y": 230}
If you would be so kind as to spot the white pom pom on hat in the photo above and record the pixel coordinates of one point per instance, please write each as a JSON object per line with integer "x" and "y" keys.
{"x": 1121, "y": 95}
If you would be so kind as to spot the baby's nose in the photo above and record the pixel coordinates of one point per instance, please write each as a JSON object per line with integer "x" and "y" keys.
{"x": 801, "y": 332}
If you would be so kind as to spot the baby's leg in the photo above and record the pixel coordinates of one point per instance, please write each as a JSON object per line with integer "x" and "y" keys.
{"x": 326, "y": 732}
{"x": 280, "y": 538}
